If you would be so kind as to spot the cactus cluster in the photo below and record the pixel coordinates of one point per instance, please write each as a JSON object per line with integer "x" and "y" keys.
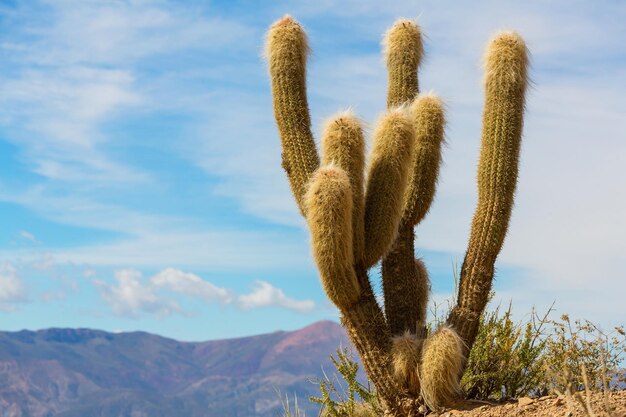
{"x": 359, "y": 218}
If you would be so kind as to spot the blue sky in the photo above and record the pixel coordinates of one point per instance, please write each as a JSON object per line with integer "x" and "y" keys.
{"x": 140, "y": 179}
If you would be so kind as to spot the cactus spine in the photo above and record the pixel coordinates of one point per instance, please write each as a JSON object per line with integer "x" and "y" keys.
{"x": 357, "y": 219}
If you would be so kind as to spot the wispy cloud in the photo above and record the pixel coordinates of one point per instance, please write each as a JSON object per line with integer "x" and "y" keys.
{"x": 26, "y": 235}
{"x": 57, "y": 116}
{"x": 155, "y": 240}
{"x": 43, "y": 261}
{"x": 79, "y": 67}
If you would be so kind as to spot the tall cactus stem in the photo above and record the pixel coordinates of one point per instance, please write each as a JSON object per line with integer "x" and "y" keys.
{"x": 329, "y": 211}
{"x": 286, "y": 51}
{"x": 506, "y": 65}
{"x": 405, "y": 283}
{"x": 368, "y": 331}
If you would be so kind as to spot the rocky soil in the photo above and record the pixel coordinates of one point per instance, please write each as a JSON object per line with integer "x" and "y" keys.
{"x": 614, "y": 405}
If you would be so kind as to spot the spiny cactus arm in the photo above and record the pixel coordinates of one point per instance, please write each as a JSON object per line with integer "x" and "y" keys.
{"x": 386, "y": 182}
{"x": 506, "y": 65}
{"x": 329, "y": 212}
{"x": 440, "y": 368}
{"x": 405, "y": 281}
{"x": 287, "y": 52}
{"x": 428, "y": 112}
{"x": 328, "y": 204}
{"x": 343, "y": 145}
{"x": 403, "y": 50}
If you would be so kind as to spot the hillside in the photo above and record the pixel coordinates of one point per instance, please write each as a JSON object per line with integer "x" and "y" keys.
{"x": 84, "y": 373}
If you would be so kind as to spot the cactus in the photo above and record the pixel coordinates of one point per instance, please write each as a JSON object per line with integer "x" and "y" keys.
{"x": 358, "y": 219}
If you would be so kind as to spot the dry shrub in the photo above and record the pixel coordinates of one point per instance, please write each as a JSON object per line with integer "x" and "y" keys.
{"x": 580, "y": 349}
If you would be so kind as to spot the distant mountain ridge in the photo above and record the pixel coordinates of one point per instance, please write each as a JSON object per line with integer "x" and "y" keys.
{"x": 85, "y": 373}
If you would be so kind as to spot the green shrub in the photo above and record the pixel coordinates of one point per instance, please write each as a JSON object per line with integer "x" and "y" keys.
{"x": 346, "y": 396}
{"x": 507, "y": 358}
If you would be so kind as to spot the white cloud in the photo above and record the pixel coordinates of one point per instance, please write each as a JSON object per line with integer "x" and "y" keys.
{"x": 153, "y": 240}
{"x": 118, "y": 33}
{"x": 12, "y": 289}
{"x": 132, "y": 297}
{"x": 56, "y": 116}
{"x": 266, "y": 295}
{"x": 207, "y": 249}
{"x": 190, "y": 285}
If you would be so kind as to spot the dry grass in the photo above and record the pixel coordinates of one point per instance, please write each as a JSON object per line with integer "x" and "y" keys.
{"x": 584, "y": 398}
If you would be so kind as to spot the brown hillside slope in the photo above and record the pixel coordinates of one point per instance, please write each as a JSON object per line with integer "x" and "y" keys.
{"x": 92, "y": 373}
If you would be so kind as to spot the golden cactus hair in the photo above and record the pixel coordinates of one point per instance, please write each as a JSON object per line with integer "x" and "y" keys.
{"x": 403, "y": 50}
{"x": 329, "y": 214}
{"x": 429, "y": 115}
{"x": 343, "y": 144}
{"x": 387, "y": 179}
{"x": 406, "y": 351}
{"x": 506, "y": 63}
{"x": 441, "y": 367}
{"x": 286, "y": 52}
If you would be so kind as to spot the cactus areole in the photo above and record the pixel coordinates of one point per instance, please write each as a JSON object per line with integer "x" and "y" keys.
{"x": 359, "y": 218}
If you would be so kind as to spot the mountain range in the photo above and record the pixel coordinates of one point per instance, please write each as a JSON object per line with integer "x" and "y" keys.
{"x": 89, "y": 373}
